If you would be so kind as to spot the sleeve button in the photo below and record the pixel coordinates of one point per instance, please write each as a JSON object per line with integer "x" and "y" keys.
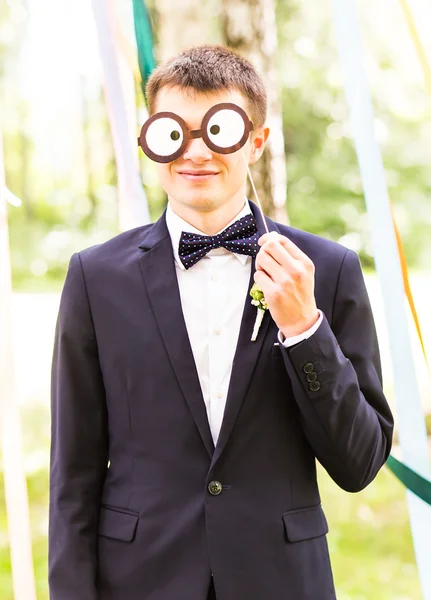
{"x": 308, "y": 367}
{"x": 311, "y": 376}
{"x": 314, "y": 386}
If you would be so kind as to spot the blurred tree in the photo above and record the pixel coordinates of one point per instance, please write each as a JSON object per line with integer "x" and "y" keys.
{"x": 176, "y": 25}
{"x": 13, "y": 30}
{"x": 86, "y": 121}
{"x": 249, "y": 27}
{"x": 325, "y": 194}
{"x": 324, "y": 191}
{"x": 180, "y": 24}
{"x": 25, "y": 149}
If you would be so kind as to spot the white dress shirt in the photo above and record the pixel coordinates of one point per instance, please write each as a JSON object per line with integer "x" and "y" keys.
{"x": 213, "y": 293}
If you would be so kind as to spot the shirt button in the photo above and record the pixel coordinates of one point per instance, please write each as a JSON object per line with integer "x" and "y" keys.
{"x": 215, "y": 488}
{"x": 217, "y": 331}
{"x": 214, "y": 277}
{"x": 219, "y": 395}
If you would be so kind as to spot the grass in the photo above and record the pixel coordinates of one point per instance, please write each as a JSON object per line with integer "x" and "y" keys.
{"x": 370, "y": 541}
{"x": 369, "y": 535}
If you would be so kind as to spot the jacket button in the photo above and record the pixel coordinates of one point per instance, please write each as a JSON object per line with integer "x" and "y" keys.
{"x": 215, "y": 488}
{"x": 314, "y": 386}
{"x": 308, "y": 368}
{"x": 311, "y": 376}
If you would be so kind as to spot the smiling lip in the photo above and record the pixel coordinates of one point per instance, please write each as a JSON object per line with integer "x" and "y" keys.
{"x": 197, "y": 175}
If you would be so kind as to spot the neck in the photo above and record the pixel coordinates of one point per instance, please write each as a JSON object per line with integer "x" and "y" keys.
{"x": 207, "y": 219}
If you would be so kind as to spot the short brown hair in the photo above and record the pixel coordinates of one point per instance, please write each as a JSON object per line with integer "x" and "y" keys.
{"x": 210, "y": 68}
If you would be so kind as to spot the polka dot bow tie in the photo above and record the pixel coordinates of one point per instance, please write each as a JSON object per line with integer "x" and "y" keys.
{"x": 240, "y": 237}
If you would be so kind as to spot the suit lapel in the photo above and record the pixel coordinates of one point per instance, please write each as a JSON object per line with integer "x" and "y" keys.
{"x": 158, "y": 271}
{"x": 246, "y": 353}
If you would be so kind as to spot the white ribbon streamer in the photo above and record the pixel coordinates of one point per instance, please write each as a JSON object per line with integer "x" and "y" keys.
{"x": 18, "y": 516}
{"x": 412, "y": 432}
{"x": 119, "y": 92}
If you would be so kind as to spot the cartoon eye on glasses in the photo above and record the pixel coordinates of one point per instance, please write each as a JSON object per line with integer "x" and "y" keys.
{"x": 225, "y": 129}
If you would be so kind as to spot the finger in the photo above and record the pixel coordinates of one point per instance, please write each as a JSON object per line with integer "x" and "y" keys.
{"x": 268, "y": 236}
{"x": 278, "y": 252}
{"x": 292, "y": 248}
{"x": 264, "y": 281}
{"x": 272, "y": 267}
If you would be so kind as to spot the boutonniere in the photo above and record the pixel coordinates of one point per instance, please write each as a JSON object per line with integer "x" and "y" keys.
{"x": 258, "y": 300}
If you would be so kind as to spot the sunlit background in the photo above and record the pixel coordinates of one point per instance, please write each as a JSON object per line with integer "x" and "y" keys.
{"x": 63, "y": 196}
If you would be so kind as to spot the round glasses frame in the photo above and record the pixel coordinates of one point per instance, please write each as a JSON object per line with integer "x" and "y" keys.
{"x": 196, "y": 133}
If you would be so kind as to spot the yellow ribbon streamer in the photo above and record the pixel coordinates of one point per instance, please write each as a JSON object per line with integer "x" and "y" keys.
{"x": 418, "y": 44}
{"x": 422, "y": 56}
{"x": 129, "y": 53}
{"x": 408, "y": 289}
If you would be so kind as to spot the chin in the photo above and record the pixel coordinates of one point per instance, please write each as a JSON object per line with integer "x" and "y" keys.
{"x": 199, "y": 200}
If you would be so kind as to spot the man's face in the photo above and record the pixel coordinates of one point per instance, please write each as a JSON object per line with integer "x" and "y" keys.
{"x": 201, "y": 179}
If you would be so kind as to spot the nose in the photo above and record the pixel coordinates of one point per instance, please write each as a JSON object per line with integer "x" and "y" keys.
{"x": 197, "y": 151}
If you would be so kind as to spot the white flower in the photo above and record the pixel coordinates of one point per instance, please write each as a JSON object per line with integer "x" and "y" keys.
{"x": 257, "y": 323}
{"x": 259, "y": 301}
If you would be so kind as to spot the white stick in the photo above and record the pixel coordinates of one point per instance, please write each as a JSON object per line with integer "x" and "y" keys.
{"x": 255, "y": 191}
{"x": 18, "y": 519}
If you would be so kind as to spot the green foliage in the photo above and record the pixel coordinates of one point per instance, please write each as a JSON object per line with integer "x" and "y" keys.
{"x": 43, "y": 244}
{"x": 68, "y": 208}
{"x": 370, "y": 541}
{"x": 369, "y": 537}
{"x": 325, "y": 194}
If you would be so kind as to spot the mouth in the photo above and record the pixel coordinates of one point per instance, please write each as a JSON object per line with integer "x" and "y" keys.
{"x": 198, "y": 176}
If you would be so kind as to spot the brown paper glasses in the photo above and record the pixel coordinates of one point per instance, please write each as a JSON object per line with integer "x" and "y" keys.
{"x": 225, "y": 129}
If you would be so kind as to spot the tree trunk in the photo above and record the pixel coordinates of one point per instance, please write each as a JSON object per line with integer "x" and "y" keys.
{"x": 249, "y": 27}
{"x": 15, "y": 485}
{"x": 181, "y": 24}
{"x": 89, "y": 174}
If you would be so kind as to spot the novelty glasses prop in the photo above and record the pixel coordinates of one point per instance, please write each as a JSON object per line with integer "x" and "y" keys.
{"x": 225, "y": 129}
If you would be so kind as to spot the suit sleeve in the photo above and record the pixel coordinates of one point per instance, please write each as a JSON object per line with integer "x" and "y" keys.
{"x": 337, "y": 384}
{"x": 78, "y": 445}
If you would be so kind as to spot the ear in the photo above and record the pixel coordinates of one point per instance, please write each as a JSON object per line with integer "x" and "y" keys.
{"x": 258, "y": 143}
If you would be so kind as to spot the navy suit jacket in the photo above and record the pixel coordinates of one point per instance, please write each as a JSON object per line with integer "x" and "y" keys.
{"x": 132, "y": 457}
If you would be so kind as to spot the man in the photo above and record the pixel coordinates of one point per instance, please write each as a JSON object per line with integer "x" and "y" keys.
{"x": 183, "y": 453}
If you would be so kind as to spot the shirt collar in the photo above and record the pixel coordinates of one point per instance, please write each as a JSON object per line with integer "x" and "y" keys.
{"x": 176, "y": 225}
